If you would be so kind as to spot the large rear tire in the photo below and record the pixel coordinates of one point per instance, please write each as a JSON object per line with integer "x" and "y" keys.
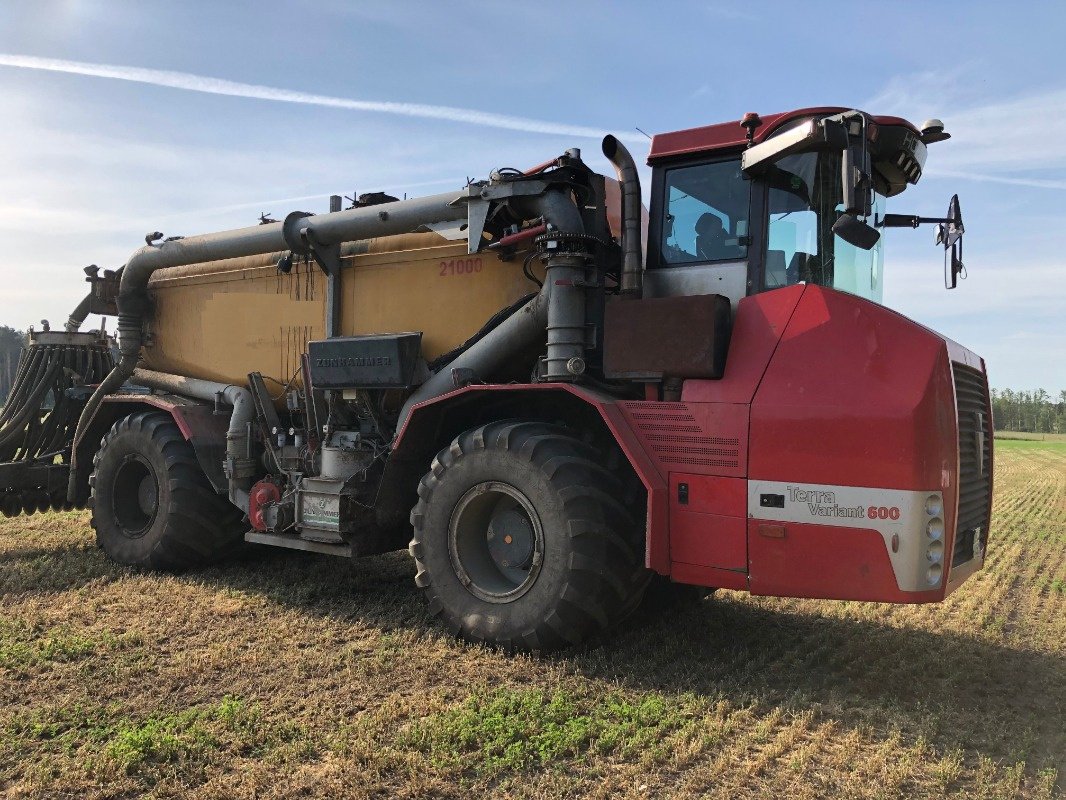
{"x": 522, "y": 541}
{"x": 152, "y": 506}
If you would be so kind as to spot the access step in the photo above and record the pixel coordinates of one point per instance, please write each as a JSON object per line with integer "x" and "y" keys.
{"x": 296, "y": 543}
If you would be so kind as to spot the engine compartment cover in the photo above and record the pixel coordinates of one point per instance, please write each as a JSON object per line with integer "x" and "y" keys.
{"x": 378, "y": 361}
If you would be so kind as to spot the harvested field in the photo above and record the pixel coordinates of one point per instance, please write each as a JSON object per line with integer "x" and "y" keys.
{"x": 289, "y": 675}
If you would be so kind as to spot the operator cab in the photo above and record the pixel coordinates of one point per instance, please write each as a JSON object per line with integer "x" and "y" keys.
{"x": 744, "y": 208}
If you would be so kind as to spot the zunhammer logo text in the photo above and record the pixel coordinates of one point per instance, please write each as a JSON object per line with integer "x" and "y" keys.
{"x": 824, "y": 504}
{"x": 355, "y": 361}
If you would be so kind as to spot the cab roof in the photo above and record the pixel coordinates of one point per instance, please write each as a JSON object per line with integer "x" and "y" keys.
{"x": 727, "y": 135}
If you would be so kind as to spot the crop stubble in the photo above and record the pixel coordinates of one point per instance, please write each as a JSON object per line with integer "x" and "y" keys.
{"x": 286, "y": 675}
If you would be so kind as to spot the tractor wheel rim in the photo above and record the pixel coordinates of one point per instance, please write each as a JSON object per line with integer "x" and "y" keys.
{"x": 496, "y": 542}
{"x": 135, "y": 497}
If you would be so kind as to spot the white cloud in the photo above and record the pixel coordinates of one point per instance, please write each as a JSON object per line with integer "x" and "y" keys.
{"x": 1032, "y": 183}
{"x": 1014, "y": 135}
{"x": 202, "y": 83}
{"x": 994, "y": 284}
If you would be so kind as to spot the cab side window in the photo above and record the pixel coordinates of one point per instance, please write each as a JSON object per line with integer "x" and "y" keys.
{"x": 705, "y": 214}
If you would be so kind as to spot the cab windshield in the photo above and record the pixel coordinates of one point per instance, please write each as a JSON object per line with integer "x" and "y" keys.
{"x": 805, "y": 199}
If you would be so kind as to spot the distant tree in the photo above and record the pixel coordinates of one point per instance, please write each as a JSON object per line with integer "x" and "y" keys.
{"x": 11, "y": 343}
{"x": 1029, "y": 412}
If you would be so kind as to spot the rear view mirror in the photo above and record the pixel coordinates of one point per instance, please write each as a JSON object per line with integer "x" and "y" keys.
{"x": 949, "y": 233}
{"x": 856, "y": 232}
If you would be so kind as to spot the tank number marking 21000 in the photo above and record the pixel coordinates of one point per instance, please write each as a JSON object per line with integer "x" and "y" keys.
{"x": 460, "y": 266}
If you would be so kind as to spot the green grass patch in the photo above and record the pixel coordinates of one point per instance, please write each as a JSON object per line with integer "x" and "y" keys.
{"x": 175, "y": 737}
{"x": 104, "y": 736}
{"x": 509, "y": 730}
{"x": 24, "y": 646}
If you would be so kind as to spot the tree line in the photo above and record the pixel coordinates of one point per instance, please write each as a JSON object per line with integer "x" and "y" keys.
{"x": 1029, "y": 412}
{"x": 11, "y": 342}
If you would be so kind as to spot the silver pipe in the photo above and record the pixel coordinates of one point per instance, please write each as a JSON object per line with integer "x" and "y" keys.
{"x": 632, "y": 279}
{"x": 554, "y": 314}
{"x": 523, "y": 330}
{"x": 567, "y": 335}
{"x": 565, "y": 274}
{"x": 239, "y": 467}
{"x": 78, "y": 315}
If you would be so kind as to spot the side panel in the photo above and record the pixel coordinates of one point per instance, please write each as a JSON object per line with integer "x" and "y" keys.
{"x": 708, "y": 525}
{"x": 824, "y": 561}
{"x": 702, "y": 438}
{"x": 855, "y": 396}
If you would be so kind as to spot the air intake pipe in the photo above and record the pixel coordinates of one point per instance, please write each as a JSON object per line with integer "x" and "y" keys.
{"x": 632, "y": 279}
{"x": 554, "y": 319}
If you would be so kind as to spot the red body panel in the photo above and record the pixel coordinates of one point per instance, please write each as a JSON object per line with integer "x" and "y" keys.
{"x": 821, "y": 388}
{"x": 855, "y": 395}
{"x": 708, "y": 540}
{"x": 825, "y": 561}
{"x": 708, "y": 521}
{"x": 760, "y": 321}
{"x": 706, "y": 438}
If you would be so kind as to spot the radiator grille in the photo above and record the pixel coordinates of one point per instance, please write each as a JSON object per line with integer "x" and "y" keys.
{"x": 676, "y": 437}
{"x": 975, "y": 461}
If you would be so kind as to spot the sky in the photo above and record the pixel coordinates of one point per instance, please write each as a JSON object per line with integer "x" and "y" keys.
{"x": 122, "y": 118}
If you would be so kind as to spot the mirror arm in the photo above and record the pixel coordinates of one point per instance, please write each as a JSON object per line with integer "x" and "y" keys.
{"x": 910, "y": 220}
{"x": 847, "y": 179}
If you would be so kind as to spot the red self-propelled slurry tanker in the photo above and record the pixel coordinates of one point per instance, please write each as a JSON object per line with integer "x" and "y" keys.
{"x": 549, "y": 395}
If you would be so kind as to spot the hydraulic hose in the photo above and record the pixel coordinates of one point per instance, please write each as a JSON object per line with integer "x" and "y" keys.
{"x": 632, "y": 278}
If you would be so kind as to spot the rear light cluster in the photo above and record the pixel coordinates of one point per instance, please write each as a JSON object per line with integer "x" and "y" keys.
{"x": 934, "y": 533}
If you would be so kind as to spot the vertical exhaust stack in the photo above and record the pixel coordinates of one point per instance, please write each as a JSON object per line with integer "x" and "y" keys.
{"x": 632, "y": 279}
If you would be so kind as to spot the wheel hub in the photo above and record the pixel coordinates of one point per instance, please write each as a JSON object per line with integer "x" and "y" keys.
{"x": 495, "y": 542}
{"x": 135, "y": 496}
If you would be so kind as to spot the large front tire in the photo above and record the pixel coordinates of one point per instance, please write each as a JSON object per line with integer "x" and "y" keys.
{"x": 152, "y": 505}
{"x": 522, "y": 541}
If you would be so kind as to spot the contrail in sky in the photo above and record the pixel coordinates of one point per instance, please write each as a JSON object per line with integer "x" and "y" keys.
{"x": 201, "y": 83}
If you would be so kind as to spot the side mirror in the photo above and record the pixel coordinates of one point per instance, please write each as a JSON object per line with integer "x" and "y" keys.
{"x": 856, "y": 196}
{"x": 856, "y": 232}
{"x": 949, "y": 233}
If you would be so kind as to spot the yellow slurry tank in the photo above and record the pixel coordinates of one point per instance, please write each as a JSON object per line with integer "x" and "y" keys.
{"x": 224, "y": 319}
